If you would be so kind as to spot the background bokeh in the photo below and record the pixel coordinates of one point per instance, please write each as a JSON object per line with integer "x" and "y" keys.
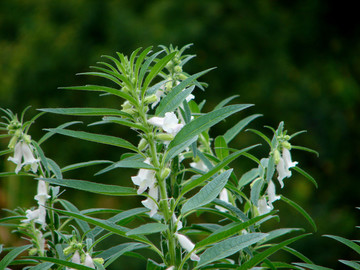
{"x": 297, "y": 61}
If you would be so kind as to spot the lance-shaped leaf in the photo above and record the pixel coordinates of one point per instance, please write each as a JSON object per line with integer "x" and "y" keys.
{"x": 349, "y": 243}
{"x": 232, "y": 132}
{"x": 175, "y": 97}
{"x": 195, "y": 182}
{"x": 92, "y": 137}
{"x": 312, "y": 266}
{"x": 148, "y": 228}
{"x": 258, "y": 258}
{"x": 127, "y": 163}
{"x": 204, "y": 122}
{"x": 228, "y": 247}
{"x": 208, "y": 193}
{"x": 12, "y": 255}
{"x": 228, "y": 230}
{"x": 176, "y": 150}
{"x": 61, "y": 262}
{"x": 92, "y": 187}
{"x": 99, "y": 88}
{"x": 85, "y": 111}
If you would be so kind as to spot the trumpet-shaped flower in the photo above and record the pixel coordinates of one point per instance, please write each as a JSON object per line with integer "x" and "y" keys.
{"x": 150, "y": 203}
{"x": 283, "y": 166}
{"x": 23, "y": 156}
{"x": 263, "y": 206}
{"x": 169, "y": 123}
{"x": 200, "y": 165}
{"x": 89, "y": 261}
{"x": 271, "y": 191}
{"x": 224, "y": 196}
{"x": 187, "y": 245}
{"x": 144, "y": 179}
{"x": 177, "y": 222}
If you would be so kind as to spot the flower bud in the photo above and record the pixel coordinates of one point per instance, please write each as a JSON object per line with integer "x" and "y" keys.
{"x": 150, "y": 99}
{"x": 286, "y": 145}
{"x": 142, "y": 144}
{"x": 178, "y": 69}
{"x": 182, "y": 76}
{"x": 27, "y": 138}
{"x": 164, "y": 137}
{"x": 33, "y": 251}
{"x": 13, "y": 142}
{"x": 125, "y": 89}
{"x": 98, "y": 260}
{"x": 277, "y": 156}
{"x": 165, "y": 173}
{"x": 68, "y": 250}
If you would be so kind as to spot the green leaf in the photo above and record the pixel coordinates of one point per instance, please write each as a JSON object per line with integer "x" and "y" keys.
{"x": 225, "y": 101}
{"x": 228, "y": 247}
{"x": 221, "y": 147}
{"x": 152, "y": 265}
{"x": 42, "y": 266}
{"x": 176, "y": 96}
{"x": 312, "y": 266}
{"x": 119, "y": 121}
{"x": 92, "y": 137}
{"x": 49, "y": 134}
{"x": 308, "y": 176}
{"x": 279, "y": 232}
{"x": 262, "y": 135}
{"x": 232, "y": 132}
{"x": 5, "y": 261}
{"x": 115, "y": 252}
{"x": 61, "y": 262}
{"x": 352, "y": 264}
{"x": 85, "y": 111}
{"x": 248, "y": 177}
{"x": 176, "y": 150}
{"x": 82, "y": 224}
{"x": 127, "y": 163}
{"x": 84, "y": 164}
{"x": 345, "y": 241}
{"x": 258, "y": 258}
{"x": 99, "y": 88}
{"x": 156, "y": 69}
{"x": 204, "y": 122}
{"x": 301, "y": 211}
{"x": 5, "y": 152}
{"x": 145, "y": 66}
{"x": 228, "y": 230}
{"x": 148, "y": 228}
{"x": 196, "y": 182}
{"x": 305, "y": 149}
{"x": 208, "y": 193}
{"x": 97, "y": 188}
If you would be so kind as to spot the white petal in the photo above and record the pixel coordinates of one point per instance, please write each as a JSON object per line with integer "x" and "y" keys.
{"x": 177, "y": 222}
{"x": 287, "y": 159}
{"x": 89, "y": 261}
{"x": 224, "y": 196}
{"x": 150, "y": 203}
{"x": 171, "y": 123}
{"x": 17, "y": 157}
{"x": 76, "y": 257}
{"x": 194, "y": 257}
{"x": 170, "y": 268}
{"x": 158, "y": 94}
{"x": 282, "y": 172}
{"x": 263, "y": 207}
{"x": 185, "y": 242}
{"x": 200, "y": 165}
{"x": 190, "y": 97}
{"x": 31, "y": 215}
{"x": 156, "y": 121}
{"x": 29, "y": 157}
{"x": 271, "y": 191}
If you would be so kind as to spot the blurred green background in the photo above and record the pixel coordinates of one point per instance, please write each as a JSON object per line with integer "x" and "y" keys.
{"x": 297, "y": 61}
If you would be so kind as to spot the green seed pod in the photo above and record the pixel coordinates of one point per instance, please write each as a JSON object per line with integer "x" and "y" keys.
{"x": 165, "y": 173}
{"x": 164, "y": 137}
{"x": 277, "y": 156}
{"x": 286, "y": 145}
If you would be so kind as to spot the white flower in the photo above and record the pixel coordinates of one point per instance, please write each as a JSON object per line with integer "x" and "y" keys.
{"x": 187, "y": 245}
{"x": 177, "y": 222}
{"x": 263, "y": 207}
{"x": 224, "y": 196}
{"x": 150, "y": 203}
{"x": 158, "y": 94}
{"x": 287, "y": 159}
{"x": 284, "y": 165}
{"x": 169, "y": 123}
{"x": 23, "y": 151}
{"x": 76, "y": 257}
{"x": 200, "y": 165}
{"x": 271, "y": 191}
{"x": 171, "y": 268}
{"x": 144, "y": 179}
{"x": 89, "y": 261}
{"x": 31, "y": 215}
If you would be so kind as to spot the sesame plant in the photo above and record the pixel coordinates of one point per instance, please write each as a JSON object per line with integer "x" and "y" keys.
{"x": 180, "y": 174}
